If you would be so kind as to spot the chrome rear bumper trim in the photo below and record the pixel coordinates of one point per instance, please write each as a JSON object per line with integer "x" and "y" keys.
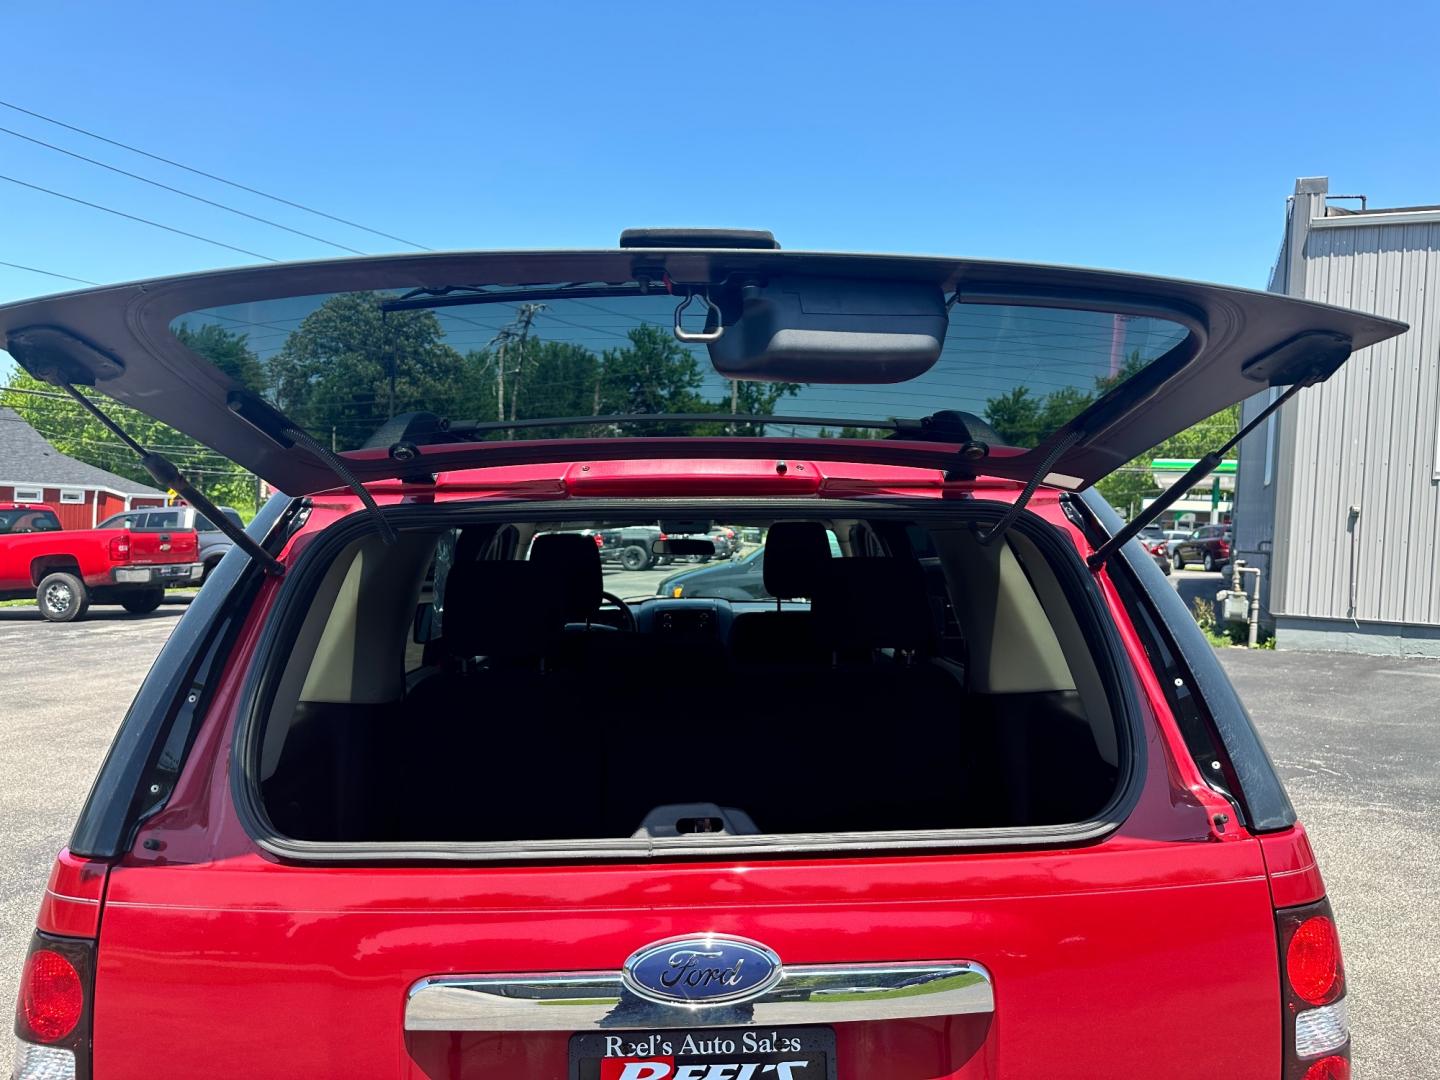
{"x": 805, "y": 994}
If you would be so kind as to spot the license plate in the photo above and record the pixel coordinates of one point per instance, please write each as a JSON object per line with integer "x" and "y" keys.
{"x": 788, "y": 1053}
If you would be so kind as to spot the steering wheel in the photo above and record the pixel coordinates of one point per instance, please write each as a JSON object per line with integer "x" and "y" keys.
{"x": 624, "y": 609}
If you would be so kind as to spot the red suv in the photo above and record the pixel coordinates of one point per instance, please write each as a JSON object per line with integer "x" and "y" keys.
{"x": 412, "y": 791}
{"x": 1208, "y": 547}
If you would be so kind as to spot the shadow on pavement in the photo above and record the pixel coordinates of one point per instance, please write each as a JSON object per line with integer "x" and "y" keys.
{"x": 171, "y": 609}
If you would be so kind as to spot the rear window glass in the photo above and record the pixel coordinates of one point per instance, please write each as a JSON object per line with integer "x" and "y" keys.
{"x": 28, "y": 521}
{"x": 508, "y": 652}
{"x": 342, "y": 364}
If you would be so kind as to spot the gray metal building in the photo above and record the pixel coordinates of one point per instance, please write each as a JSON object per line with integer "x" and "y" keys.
{"x": 1338, "y": 495}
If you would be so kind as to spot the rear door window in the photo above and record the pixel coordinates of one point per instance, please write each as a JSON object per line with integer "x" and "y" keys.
{"x": 162, "y": 519}
{"x": 28, "y": 521}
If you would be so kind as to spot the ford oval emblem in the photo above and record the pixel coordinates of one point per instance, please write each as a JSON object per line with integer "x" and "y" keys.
{"x": 701, "y": 969}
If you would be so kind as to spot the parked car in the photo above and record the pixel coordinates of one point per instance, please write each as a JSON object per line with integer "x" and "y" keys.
{"x": 726, "y": 541}
{"x": 1158, "y": 549}
{"x": 213, "y": 543}
{"x": 1174, "y": 538}
{"x": 1208, "y": 547}
{"x": 1005, "y": 818}
{"x": 634, "y": 547}
{"x": 739, "y": 578}
{"x": 67, "y": 570}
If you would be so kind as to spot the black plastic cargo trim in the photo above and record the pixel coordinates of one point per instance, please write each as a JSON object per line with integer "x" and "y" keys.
{"x": 1261, "y": 795}
{"x": 273, "y": 652}
{"x": 107, "y": 821}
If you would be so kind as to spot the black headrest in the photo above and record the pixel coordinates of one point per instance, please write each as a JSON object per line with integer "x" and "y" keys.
{"x": 873, "y": 603}
{"x": 795, "y": 554}
{"x": 501, "y": 608}
{"x": 574, "y": 561}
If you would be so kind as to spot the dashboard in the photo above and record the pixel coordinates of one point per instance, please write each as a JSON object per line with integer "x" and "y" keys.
{"x": 699, "y": 618}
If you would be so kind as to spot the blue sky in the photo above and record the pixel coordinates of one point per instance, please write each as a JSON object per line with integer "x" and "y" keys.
{"x": 1128, "y": 136}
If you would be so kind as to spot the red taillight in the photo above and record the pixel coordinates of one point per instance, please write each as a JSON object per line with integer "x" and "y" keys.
{"x": 120, "y": 549}
{"x": 52, "y": 996}
{"x": 599, "y": 541}
{"x": 1223, "y": 546}
{"x": 1316, "y": 1020}
{"x": 1330, "y": 1068}
{"x": 1312, "y": 961}
{"x": 664, "y": 537}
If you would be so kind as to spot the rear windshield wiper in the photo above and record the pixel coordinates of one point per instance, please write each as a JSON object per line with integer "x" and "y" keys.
{"x": 441, "y": 296}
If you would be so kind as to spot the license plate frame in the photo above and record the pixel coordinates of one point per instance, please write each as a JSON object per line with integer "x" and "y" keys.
{"x": 779, "y": 1053}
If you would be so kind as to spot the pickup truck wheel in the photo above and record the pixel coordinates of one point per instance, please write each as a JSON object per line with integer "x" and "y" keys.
{"x": 209, "y": 567}
{"x": 142, "y": 602}
{"x": 635, "y": 557}
{"x": 62, "y": 597}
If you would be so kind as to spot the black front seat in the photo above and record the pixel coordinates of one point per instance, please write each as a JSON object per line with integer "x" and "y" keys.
{"x": 476, "y": 761}
{"x": 796, "y": 556}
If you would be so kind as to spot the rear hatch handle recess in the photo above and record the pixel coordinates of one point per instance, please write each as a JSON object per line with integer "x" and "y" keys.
{"x": 1305, "y": 360}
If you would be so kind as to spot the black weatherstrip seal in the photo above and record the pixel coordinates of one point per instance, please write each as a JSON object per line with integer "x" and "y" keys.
{"x": 291, "y": 606}
{"x": 1261, "y": 793}
{"x": 106, "y": 822}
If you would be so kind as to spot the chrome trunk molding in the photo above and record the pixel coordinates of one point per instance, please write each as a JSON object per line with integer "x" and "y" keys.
{"x": 805, "y": 994}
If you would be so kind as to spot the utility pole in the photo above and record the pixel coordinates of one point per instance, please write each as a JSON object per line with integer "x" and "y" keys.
{"x": 500, "y": 341}
{"x": 523, "y": 321}
{"x": 518, "y": 331}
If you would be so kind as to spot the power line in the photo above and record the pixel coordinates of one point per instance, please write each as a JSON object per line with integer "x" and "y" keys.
{"x": 133, "y": 217}
{"x": 181, "y": 191}
{"x": 212, "y": 176}
{"x": 48, "y": 273}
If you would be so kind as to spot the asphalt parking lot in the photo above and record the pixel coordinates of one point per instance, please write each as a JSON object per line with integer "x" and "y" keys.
{"x": 1356, "y": 739}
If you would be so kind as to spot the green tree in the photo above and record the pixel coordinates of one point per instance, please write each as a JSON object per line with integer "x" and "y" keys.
{"x": 561, "y": 379}
{"x": 1129, "y": 486}
{"x": 1021, "y": 419}
{"x": 747, "y": 398}
{"x": 350, "y": 366}
{"x": 228, "y": 351}
{"x": 1015, "y": 416}
{"x": 654, "y": 373}
{"x": 77, "y": 434}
